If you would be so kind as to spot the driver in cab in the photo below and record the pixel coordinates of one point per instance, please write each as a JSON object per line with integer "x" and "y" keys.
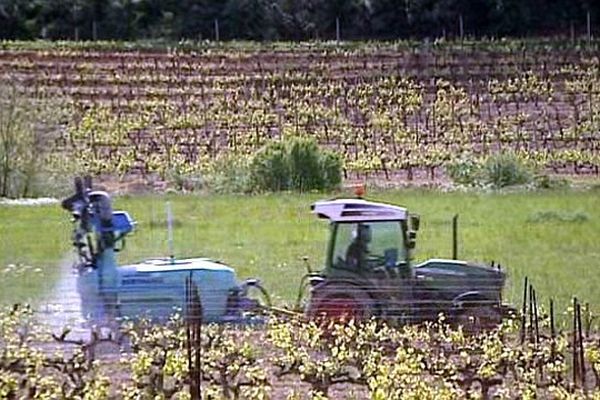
{"x": 358, "y": 250}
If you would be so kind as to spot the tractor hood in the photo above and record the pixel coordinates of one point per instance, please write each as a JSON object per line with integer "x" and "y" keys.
{"x": 459, "y": 277}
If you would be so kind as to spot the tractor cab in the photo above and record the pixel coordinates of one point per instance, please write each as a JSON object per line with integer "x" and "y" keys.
{"x": 367, "y": 237}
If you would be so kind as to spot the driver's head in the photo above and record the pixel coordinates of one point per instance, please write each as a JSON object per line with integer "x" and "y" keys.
{"x": 363, "y": 233}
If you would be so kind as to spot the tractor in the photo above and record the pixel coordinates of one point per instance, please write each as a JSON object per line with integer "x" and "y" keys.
{"x": 369, "y": 272}
{"x": 154, "y": 288}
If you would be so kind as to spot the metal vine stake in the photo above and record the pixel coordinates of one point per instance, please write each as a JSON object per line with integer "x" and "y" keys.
{"x": 193, "y": 327}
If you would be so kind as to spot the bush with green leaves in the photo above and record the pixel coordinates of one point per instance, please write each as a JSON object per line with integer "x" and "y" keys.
{"x": 544, "y": 181}
{"x": 497, "y": 171}
{"x": 227, "y": 174}
{"x": 506, "y": 169}
{"x": 270, "y": 169}
{"x": 464, "y": 171}
{"x": 295, "y": 164}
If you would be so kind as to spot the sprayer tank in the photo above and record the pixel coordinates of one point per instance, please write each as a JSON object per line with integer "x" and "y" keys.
{"x": 156, "y": 288}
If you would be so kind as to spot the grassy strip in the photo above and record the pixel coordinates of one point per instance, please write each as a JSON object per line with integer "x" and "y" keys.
{"x": 508, "y": 45}
{"x": 33, "y": 242}
{"x": 552, "y": 237}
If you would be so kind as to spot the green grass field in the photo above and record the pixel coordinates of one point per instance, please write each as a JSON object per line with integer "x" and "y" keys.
{"x": 552, "y": 237}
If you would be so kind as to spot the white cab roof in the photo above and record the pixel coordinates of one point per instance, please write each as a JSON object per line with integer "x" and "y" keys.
{"x": 356, "y": 210}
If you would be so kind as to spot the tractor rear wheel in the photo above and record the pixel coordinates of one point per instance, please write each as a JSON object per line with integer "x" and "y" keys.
{"x": 339, "y": 308}
{"x": 477, "y": 318}
{"x": 340, "y": 303}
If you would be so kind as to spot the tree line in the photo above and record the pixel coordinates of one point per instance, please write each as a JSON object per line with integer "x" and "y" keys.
{"x": 293, "y": 19}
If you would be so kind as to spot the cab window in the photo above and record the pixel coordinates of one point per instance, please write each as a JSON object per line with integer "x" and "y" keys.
{"x": 383, "y": 244}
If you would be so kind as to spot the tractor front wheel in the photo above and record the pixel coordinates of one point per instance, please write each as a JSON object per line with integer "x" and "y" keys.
{"x": 476, "y": 319}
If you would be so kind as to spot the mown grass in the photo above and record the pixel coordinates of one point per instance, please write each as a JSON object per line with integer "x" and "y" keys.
{"x": 551, "y": 237}
{"x": 33, "y": 243}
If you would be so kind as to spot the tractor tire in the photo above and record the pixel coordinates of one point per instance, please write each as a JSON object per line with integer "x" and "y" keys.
{"x": 340, "y": 302}
{"x": 478, "y": 318}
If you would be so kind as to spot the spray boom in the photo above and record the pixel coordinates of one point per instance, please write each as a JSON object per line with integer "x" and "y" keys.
{"x": 97, "y": 227}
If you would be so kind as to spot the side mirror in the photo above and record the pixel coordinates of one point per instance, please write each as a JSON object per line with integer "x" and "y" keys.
{"x": 79, "y": 186}
{"x": 307, "y": 264}
{"x": 415, "y": 222}
{"x": 412, "y": 239}
{"x": 87, "y": 182}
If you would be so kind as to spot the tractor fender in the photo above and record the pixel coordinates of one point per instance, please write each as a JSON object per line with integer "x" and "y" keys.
{"x": 345, "y": 288}
{"x": 472, "y": 296}
{"x": 476, "y": 312}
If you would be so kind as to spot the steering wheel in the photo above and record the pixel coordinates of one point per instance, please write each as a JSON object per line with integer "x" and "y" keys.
{"x": 374, "y": 261}
{"x": 339, "y": 262}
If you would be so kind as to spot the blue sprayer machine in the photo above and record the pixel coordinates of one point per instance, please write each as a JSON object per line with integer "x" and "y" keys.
{"x": 154, "y": 288}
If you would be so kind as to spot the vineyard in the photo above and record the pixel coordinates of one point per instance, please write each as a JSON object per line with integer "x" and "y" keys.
{"x": 395, "y": 111}
{"x": 526, "y": 358}
{"x": 550, "y": 350}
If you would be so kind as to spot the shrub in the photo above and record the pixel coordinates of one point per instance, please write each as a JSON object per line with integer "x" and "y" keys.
{"x": 228, "y": 174}
{"x": 497, "y": 171}
{"x": 465, "y": 171}
{"x": 506, "y": 169}
{"x": 270, "y": 169}
{"x": 291, "y": 164}
{"x": 544, "y": 181}
{"x": 295, "y": 164}
{"x": 331, "y": 169}
{"x": 304, "y": 160}
{"x": 558, "y": 217}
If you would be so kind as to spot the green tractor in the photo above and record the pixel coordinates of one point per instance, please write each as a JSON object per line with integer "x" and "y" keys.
{"x": 369, "y": 272}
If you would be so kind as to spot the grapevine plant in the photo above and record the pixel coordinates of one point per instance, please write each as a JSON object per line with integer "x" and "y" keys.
{"x": 388, "y": 111}
{"x": 300, "y": 359}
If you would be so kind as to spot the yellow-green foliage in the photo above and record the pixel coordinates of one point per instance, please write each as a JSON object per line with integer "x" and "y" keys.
{"x": 369, "y": 359}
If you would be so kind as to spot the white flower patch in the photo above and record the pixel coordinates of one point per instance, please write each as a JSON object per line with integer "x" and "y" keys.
{"x": 40, "y": 201}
